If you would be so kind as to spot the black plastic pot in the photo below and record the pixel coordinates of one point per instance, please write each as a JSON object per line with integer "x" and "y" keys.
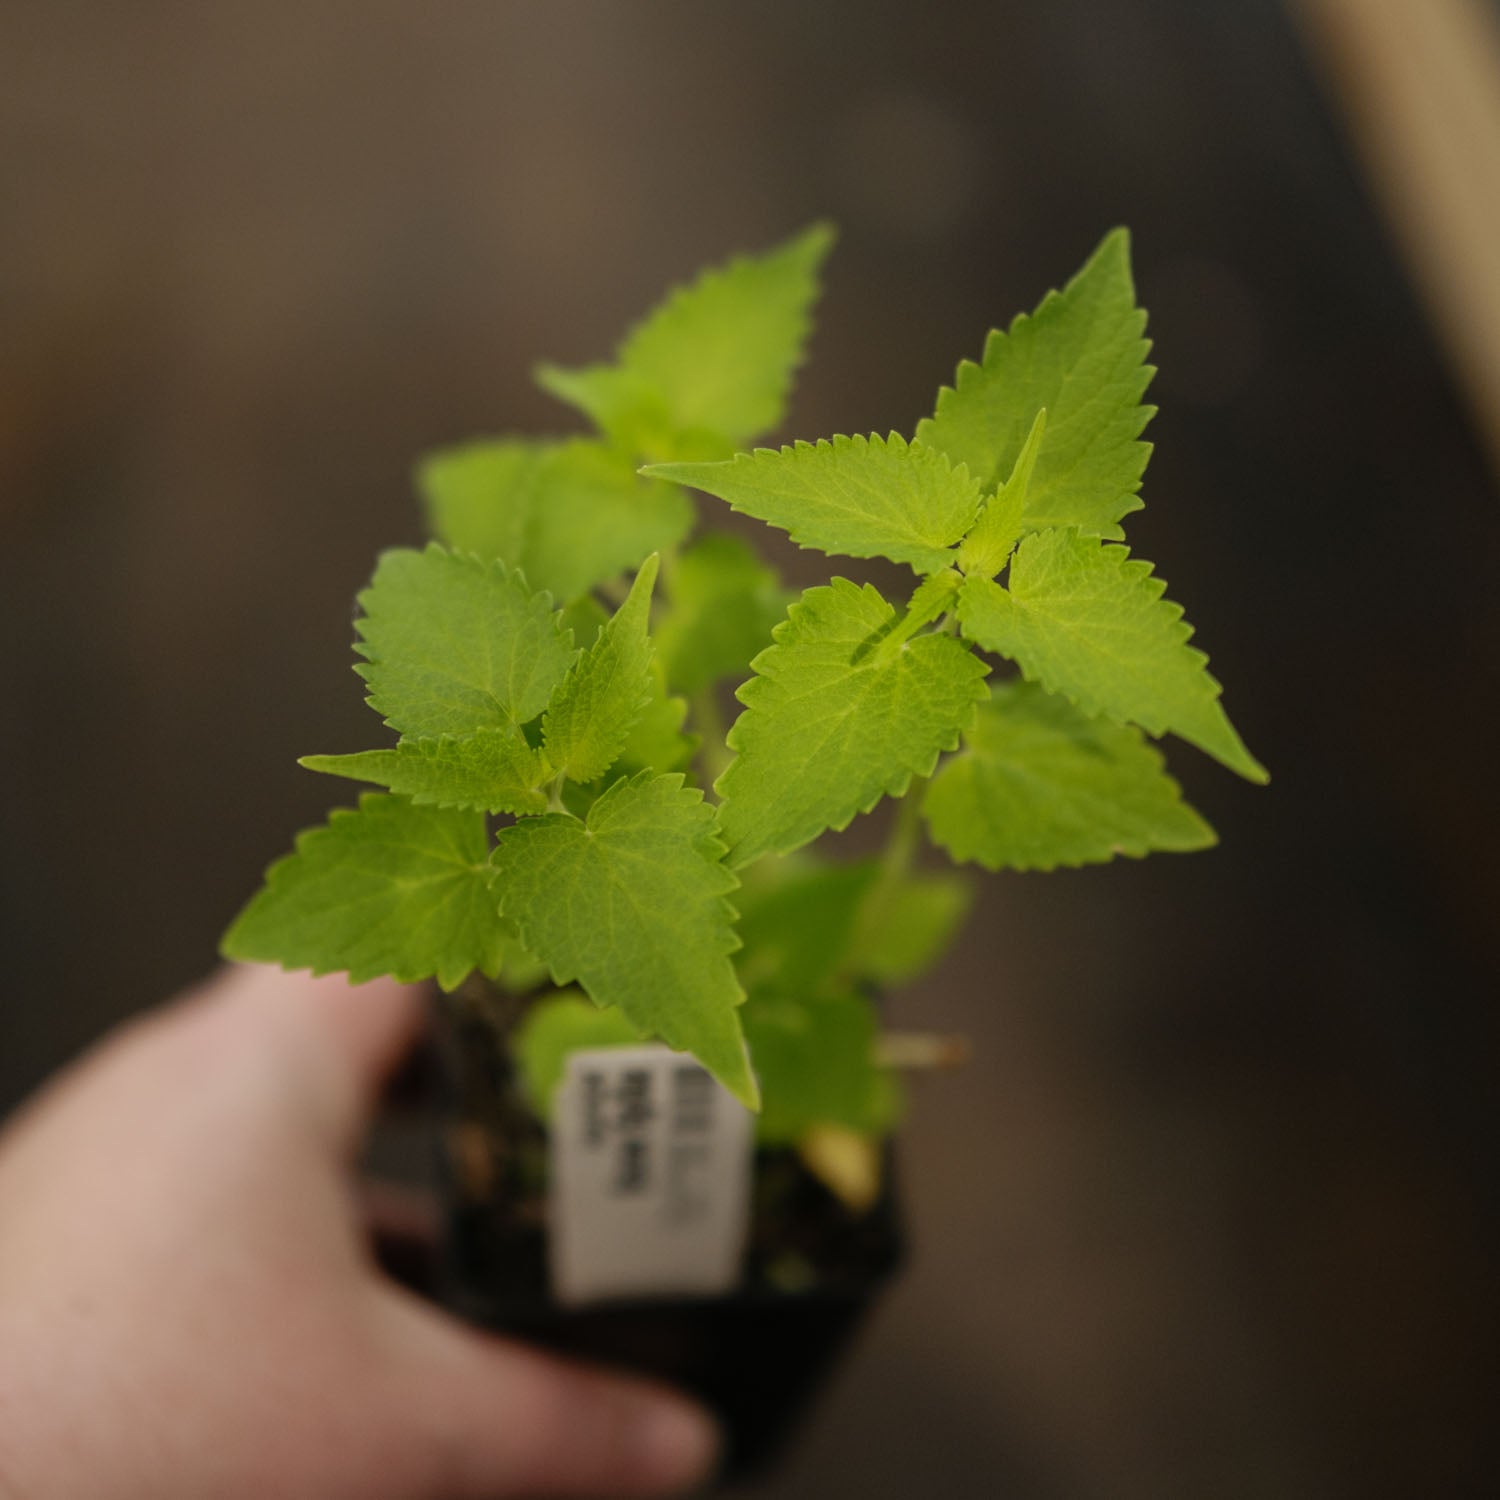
{"x": 756, "y": 1357}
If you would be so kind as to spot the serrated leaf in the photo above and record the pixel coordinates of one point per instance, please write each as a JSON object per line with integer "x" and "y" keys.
{"x": 570, "y": 515}
{"x": 552, "y": 1029}
{"x": 831, "y": 724}
{"x": 816, "y": 1063}
{"x": 989, "y": 545}
{"x": 631, "y": 904}
{"x": 454, "y": 645}
{"x": 711, "y": 367}
{"x": 797, "y": 927}
{"x": 1039, "y": 784}
{"x": 853, "y": 496}
{"x": 391, "y": 888}
{"x": 1082, "y": 356}
{"x": 723, "y": 603}
{"x": 908, "y": 925}
{"x": 493, "y": 770}
{"x": 1088, "y": 621}
{"x": 606, "y": 691}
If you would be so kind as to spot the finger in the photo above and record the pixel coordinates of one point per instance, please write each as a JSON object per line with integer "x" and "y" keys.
{"x": 500, "y": 1418}
{"x": 355, "y": 1034}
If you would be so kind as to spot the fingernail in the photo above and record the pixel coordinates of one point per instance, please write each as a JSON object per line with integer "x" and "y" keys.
{"x": 679, "y": 1442}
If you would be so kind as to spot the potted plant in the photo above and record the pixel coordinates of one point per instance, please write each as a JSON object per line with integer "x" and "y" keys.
{"x": 623, "y": 901}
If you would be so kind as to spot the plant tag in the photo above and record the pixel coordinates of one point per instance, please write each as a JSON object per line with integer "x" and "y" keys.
{"x": 650, "y": 1178}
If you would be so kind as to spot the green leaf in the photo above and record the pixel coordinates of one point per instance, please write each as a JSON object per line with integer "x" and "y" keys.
{"x": 454, "y": 644}
{"x": 854, "y": 496}
{"x": 520, "y": 972}
{"x": 723, "y": 604}
{"x": 831, "y": 724}
{"x": 551, "y": 1030}
{"x": 797, "y": 929}
{"x": 659, "y": 742}
{"x": 1039, "y": 784}
{"x": 585, "y": 617}
{"x": 907, "y": 926}
{"x": 989, "y": 545}
{"x": 1089, "y": 621}
{"x": 1082, "y": 356}
{"x": 570, "y": 515}
{"x": 494, "y": 770}
{"x": 389, "y": 889}
{"x": 711, "y": 367}
{"x": 631, "y": 903}
{"x": 816, "y": 1062}
{"x": 606, "y": 691}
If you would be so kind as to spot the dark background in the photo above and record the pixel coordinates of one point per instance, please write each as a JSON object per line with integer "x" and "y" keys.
{"x": 1212, "y": 1212}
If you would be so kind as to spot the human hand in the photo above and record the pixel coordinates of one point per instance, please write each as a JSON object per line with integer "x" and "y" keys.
{"x": 189, "y": 1309}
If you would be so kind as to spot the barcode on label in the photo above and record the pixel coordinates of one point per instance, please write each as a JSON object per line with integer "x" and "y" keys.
{"x": 650, "y": 1165}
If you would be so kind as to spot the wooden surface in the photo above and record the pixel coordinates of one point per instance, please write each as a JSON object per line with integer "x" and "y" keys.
{"x": 1419, "y": 85}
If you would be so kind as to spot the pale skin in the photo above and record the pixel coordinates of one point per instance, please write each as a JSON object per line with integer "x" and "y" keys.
{"x": 189, "y": 1307}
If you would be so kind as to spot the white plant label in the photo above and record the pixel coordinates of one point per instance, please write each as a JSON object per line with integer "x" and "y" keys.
{"x": 650, "y": 1178}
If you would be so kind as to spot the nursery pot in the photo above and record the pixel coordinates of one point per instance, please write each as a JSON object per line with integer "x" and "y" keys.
{"x": 755, "y": 1355}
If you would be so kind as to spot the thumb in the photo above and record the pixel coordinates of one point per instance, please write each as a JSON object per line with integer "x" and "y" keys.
{"x": 502, "y": 1419}
{"x": 349, "y": 1038}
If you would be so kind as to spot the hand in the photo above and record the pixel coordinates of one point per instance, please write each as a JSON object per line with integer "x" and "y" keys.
{"x": 188, "y": 1305}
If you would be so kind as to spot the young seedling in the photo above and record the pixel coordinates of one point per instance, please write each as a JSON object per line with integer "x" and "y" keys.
{"x": 562, "y": 809}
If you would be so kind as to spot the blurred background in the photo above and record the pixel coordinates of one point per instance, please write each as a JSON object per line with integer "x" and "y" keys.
{"x": 1213, "y": 1211}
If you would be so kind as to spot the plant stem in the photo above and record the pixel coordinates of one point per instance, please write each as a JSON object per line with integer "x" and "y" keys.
{"x": 713, "y": 754}
{"x": 906, "y": 832}
{"x": 896, "y": 859}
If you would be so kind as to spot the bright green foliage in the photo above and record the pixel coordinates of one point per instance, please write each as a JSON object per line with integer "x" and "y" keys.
{"x": 989, "y": 545}
{"x": 830, "y": 726}
{"x": 798, "y": 929}
{"x": 554, "y": 1027}
{"x": 570, "y": 515}
{"x": 611, "y": 870}
{"x": 854, "y": 496}
{"x": 908, "y": 924}
{"x": 659, "y": 742}
{"x": 454, "y": 644}
{"x": 585, "y": 617}
{"x": 520, "y": 973}
{"x": 710, "y": 369}
{"x": 1038, "y": 784}
{"x": 390, "y": 889}
{"x": 604, "y": 695}
{"x": 724, "y": 604}
{"x": 1082, "y": 356}
{"x": 810, "y": 927}
{"x": 631, "y": 903}
{"x": 494, "y": 770}
{"x": 816, "y": 1060}
{"x": 1090, "y": 622}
